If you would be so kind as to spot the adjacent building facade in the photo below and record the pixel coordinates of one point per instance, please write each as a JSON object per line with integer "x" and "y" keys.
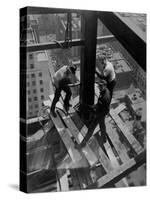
{"x": 38, "y": 78}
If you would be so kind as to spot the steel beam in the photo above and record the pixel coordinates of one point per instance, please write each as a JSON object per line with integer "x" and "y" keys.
{"x": 131, "y": 41}
{"x": 55, "y": 45}
{"x": 88, "y": 58}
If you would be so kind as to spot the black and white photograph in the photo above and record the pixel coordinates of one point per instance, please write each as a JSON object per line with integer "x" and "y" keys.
{"x": 82, "y": 99}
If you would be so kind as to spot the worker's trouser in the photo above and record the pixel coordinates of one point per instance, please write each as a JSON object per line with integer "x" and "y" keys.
{"x": 110, "y": 86}
{"x": 67, "y": 90}
{"x": 98, "y": 119}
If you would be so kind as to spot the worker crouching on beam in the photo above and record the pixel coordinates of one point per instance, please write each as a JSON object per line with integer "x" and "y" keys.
{"x": 108, "y": 73}
{"x": 62, "y": 80}
{"x": 100, "y": 110}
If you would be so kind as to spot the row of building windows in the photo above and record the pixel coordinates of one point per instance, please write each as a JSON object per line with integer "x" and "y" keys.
{"x": 33, "y": 75}
{"x": 34, "y": 83}
{"x": 31, "y": 66}
{"x": 35, "y": 91}
{"x": 35, "y": 106}
{"x": 30, "y": 56}
{"x": 35, "y": 98}
{"x": 33, "y": 113}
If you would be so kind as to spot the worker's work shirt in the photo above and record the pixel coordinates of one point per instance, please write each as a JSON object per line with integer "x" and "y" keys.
{"x": 109, "y": 72}
{"x": 60, "y": 78}
{"x": 103, "y": 104}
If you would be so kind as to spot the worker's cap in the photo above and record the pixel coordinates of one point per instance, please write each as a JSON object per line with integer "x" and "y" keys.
{"x": 102, "y": 82}
{"x": 73, "y": 68}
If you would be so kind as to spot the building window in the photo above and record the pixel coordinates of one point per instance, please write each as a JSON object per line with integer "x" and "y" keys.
{"x": 34, "y": 91}
{"x": 33, "y": 83}
{"x": 40, "y": 74}
{"x": 29, "y": 99}
{"x": 41, "y": 90}
{"x": 42, "y": 97}
{"x": 30, "y": 56}
{"x": 36, "y": 105}
{"x": 28, "y": 84}
{"x": 36, "y": 112}
{"x": 29, "y": 92}
{"x": 30, "y": 107}
{"x": 41, "y": 82}
{"x": 30, "y": 113}
{"x": 33, "y": 75}
{"x": 35, "y": 98}
{"x": 31, "y": 66}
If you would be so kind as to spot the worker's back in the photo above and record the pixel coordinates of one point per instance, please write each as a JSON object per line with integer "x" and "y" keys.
{"x": 109, "y": 71}
{"x": 60, "y": 75}
{"x": 104, "y": 101}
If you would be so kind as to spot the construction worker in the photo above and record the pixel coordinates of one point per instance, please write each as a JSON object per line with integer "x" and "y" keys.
{"x": 108, "y": 73}
{"x": 62, "y": 80}
{"x": 101, "y": 109}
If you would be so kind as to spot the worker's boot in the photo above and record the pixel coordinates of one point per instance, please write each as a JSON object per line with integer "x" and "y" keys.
{"x": 53, "y": 113}
{"x": 66, "y": 106}
{"x": 104, "y": 138}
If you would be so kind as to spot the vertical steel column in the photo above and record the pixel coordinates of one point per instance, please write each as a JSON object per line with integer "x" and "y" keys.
{"x": 88, "y": 57}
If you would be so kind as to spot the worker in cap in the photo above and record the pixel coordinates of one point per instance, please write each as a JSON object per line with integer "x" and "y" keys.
{"x": 101, "y": 109}
{"x": 108, "y": 72}
{"x": 62, "y": 80}
{"x": 72, "y": 68}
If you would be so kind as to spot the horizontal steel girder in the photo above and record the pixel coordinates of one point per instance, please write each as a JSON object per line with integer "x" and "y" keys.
{"x": 55, "y": 45}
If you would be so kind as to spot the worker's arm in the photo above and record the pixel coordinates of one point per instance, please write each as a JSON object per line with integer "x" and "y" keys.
{"x": 74, "y": 81}
{"x": 55, "y": 82}
{"x": 100, "y": 75}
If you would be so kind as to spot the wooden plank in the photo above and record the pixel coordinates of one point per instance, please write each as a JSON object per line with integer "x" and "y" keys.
{"x": 115, "y": 164}
{"x": 88, "y": 153}
{"x": 64, "y": 163}
{"x": 97, "y": 149}
{"x": 64, "y": 134}
{"x": 107, "y": 163}
{"x": 102, "y": 156}
{"x": 117, "y": 174}
{"x": 111, "y": 155}
{"x": 75, "y": 180}
{"x": 119, "y": 147}
{"x": 102, "y": 181}
{"x": 63, "y": 182}
{"x": 125, "y": 130}
{"x": 39, "y": 149}
{"x": 119, "y": 108}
